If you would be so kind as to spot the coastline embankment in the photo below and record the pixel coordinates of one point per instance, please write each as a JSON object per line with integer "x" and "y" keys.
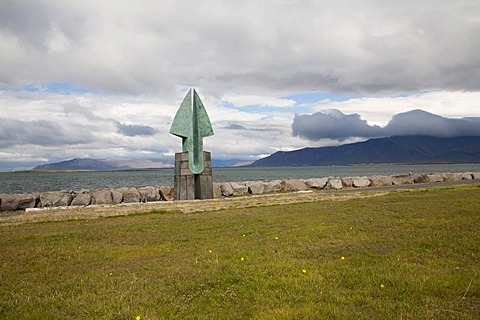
{"x": 109, "y": 196}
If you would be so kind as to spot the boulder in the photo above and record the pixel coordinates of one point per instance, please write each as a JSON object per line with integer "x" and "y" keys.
{"x": 378, "y": 181}
{"x": 102, "y": 196}
{"x": 448, "y": 176}
{"x": 217, "y": 190}
{"x": 239, "y": 188}
{"x": 458, "y": 176}
{"x": 360, "y": 182}
{"x": 167, "y": 193}
{"x": 476, "y": 175}
{"x": 148, "y": 194}
{"x": 334, "y": 183}
{"x": 130, "y": 195}
{"x": 83, "y": 198}
{"x": 467, "y": 176}
{"x": 272, "y": 186}
{"x": 55, "y": 199}
{"x": 117, "y": 196}
{"x": 404, "y": 179}
{"x": 294, "y": 185}
{"x": 347, "y": 182}
{"x": 428, "y": 178}
{"x": 255, "y": 187}
{"x": 226, "y": 189}
{"x": 13, "y": 202}
{"x": 316, "y": 183}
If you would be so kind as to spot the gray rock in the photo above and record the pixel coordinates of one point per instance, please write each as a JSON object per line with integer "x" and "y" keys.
{"x": 316, "y": 183}
{"x": 217, "y": 190}
{"x": 378, "y": 181}
{"x": 226, "y": 189}
{"x": 347, "y": 182}
{"x": 334, "y": 183}
{"x": 476, "y": 175}
{"x": 434, "y": 177}
{"x": 272, "y": 186}
{"x": 130, "y": 195}
{"x": 294, "y": 185}
{"x": 448, "y": 176}
{"x": 55, "y": 199}
{"x": 83, "y": 198}
{"x": 167, "y": 193}
{"x": 404, "y": 179}
{"x": 467, "y": 176}
{"x": 456, "y": 176}
{"x": 360, "y": 182}
{"x": 117, "y": 196}
{"x": 239, "y": 188}
{"x": 148, "y": 194}
{"x": 255, "y": 187}
{"x": 13, "y": 202}
{"x": 102, "y": 196}
{"x": 429, "y": 178}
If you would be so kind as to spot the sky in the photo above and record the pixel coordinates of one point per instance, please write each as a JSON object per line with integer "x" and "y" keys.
{"x": 104, "y": 79}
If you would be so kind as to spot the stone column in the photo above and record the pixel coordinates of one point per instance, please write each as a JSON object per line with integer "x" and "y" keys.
{"x": 189, "y": 186}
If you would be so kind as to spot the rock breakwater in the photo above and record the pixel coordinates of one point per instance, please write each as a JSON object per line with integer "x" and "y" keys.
{"x": 69, "y": 198}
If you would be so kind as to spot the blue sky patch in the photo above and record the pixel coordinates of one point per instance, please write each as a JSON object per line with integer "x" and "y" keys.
{"x": 58, "y": 87}
{"x": 313, "y": 97}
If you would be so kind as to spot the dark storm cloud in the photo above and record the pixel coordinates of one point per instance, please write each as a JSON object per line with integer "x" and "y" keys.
{"x": 132, "y": 130}
{"x": 333, "y": 124}
{"x": 234, "y": 126}
{"x": 419, "y": 122}
{"x": 349, "y": 46}
{"x": 40, "y": 133}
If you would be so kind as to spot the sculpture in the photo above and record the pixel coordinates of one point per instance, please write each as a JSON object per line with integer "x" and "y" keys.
{"x": 193, "y": 173}
{"x": 192, "y": 124}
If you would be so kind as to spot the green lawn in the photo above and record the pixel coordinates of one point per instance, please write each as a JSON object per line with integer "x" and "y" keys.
{"x": 405, "y": 255}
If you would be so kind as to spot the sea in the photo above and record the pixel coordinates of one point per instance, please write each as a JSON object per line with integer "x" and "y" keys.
{"x": 32, "y": 181}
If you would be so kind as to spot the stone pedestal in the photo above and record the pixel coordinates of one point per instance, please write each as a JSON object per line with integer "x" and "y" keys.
{"x": 189, "y": 186}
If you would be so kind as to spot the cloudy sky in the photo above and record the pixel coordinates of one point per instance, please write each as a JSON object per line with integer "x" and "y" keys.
{"x": 104, "y": 79}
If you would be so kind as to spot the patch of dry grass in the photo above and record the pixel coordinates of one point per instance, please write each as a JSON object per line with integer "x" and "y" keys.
{"x": 94, "y": 212}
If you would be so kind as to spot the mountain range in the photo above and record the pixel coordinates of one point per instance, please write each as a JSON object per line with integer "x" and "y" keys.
{"x": 398, "y": 149}
{"x": 112, "y": 164}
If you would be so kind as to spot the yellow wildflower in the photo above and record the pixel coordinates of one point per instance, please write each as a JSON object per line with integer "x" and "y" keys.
{"x": 304, "y": 271}
{"x": 343, "y": 258}
{"x": 382, "y": 286}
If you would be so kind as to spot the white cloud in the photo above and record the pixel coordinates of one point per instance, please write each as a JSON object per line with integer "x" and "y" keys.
{"x": 139, "y": 57}
{"x": 228, "y": 46}
{"x": 333, "y": 124}
{"x": 379, "y": 110}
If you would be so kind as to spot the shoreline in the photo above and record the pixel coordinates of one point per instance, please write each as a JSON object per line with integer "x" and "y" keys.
{"x": 35, "y": 215}
{"x": 127, "y": 195}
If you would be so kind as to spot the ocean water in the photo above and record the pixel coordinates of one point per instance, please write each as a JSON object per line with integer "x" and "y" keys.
{"x": 19, "y": 182}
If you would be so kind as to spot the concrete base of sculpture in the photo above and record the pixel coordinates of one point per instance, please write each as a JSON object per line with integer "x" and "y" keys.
{"x": 189, "y": 186}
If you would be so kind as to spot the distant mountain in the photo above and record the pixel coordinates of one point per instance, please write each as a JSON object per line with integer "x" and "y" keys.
{"x": 112, "y": 164}
{"x": 104, "y": 164}
{"x": 400, "y": 149}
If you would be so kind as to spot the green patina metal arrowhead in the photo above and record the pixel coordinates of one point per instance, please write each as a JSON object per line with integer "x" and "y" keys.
{"x": 192, "y": 124}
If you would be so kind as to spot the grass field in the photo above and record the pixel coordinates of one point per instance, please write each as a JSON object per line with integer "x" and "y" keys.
{"x": 403, "y": 255}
